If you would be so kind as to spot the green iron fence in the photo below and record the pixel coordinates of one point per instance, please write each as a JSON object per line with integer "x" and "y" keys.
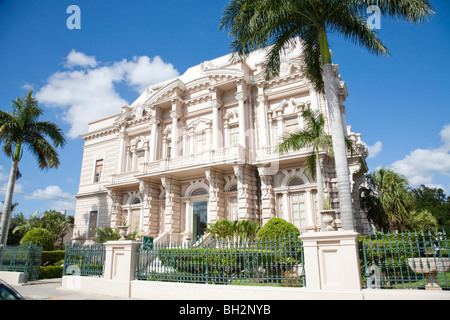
{"x": 274, "y": 262}
{"x": 84, "y": 260}
{"x": 405, "y": 260}
{"x": 26, "y": 259}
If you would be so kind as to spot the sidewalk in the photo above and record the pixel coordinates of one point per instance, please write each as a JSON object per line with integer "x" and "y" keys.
{"x": 50, "y": 289}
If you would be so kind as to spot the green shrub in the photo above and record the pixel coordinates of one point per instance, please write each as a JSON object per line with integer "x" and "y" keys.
{"x": 50, "y": 258}
{"x": 40, "y": 237}
{"x": 277, "y": 228}
{"x": 50, "y": 272}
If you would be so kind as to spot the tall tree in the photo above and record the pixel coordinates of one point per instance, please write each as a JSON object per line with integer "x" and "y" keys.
{"x": 21, "y": 129}
{"x": 386, "y": 199}
{"x": 255, "y": 24}
{"x": 435, "y": 201}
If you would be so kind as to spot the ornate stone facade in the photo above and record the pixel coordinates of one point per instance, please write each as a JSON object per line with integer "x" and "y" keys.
{"x": 201, "y": 147}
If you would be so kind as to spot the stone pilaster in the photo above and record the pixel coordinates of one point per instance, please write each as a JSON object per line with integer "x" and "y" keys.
{"x": 150, "y": 193}
{"x": 247, "y": 192}
{"x": 116, "y": 208}
{"x": 216, "y": 196}
{"x": 172, "y": 222}
{"x": 267, "y": 195}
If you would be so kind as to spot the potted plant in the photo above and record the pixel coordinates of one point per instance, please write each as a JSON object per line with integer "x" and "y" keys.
{"x": 123, "y": 228}
{"x": 328, "y": 214}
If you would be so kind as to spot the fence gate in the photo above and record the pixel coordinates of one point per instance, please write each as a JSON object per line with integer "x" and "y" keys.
{"x": 26, "y": 259}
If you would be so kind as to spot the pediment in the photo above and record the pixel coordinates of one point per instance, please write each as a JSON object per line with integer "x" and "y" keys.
{"x": 139, "y": 142}
{"x": 231, "y": 115}
{"x": 199, "y": 124}
{"x": 165, "y": 91}
{"x": 289, "y": 106}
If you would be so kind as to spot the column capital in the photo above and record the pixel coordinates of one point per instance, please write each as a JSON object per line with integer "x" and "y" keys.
{"x": 154, "y": 121}
{"x": 175, "y": 114}
{"x": 216, "y": 104}
{"x": 241, "y": 97}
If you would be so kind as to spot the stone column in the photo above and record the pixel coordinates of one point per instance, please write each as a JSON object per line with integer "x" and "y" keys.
{"x": 122, "y": 145}
{"x": 262, "y": 101}
{"x": 241, "y": 97}
{"x": 133, "y": 158}
{"x": 174, "y": 150}
{"x": 216, "y": 196}
{"x": 154, "y": 139}
{"x": 172, "y": 223}
{"x": 216, "y": 104}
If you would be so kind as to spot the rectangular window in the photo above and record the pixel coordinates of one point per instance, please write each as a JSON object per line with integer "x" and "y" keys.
{"x": 98, "y": 170}
{"x": 298, "y": 210}
{"x": 93, "y": 215}
{"x": 234, "y": 206}
{"x": 200, "y": 142}
{"x": 169, "y": 150}
{"x": 279, "y": 204}
{"x": 234, "y": 136}
{"x": 291, "y": 124}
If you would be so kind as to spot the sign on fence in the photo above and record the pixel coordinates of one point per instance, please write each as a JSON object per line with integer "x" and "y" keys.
{"x": 147, "y": 243}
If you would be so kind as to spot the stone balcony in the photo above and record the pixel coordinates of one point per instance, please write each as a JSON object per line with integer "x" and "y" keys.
{"x": 211, "y": 158}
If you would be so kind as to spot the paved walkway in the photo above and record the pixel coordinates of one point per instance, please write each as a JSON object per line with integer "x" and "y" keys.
{"x": 51, "y": 290}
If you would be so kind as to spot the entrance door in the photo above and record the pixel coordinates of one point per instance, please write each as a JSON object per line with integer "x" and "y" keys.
{"x": 200, "y": 218}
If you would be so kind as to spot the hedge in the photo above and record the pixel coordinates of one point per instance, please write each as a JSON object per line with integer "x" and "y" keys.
{"x": 50, "y": 272}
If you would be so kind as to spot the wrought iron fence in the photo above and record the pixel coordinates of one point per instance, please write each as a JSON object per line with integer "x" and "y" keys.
{"x": 273, "y": 262}
{"x": 405, "y": 260}
{"x": 84, "y": 260}
{"x": 26, "y": 259}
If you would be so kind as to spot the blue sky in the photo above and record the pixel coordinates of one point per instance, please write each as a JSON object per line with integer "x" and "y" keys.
{"x": 399, "y": 104}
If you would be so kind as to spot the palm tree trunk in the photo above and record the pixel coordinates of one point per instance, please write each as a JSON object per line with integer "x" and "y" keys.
{"x": 6, "y": 216}
{"x": 320, "y": 194}
{"x": 339, "y": 148}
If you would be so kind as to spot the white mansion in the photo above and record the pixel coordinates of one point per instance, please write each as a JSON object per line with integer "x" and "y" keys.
{"x": 201, "y": 147}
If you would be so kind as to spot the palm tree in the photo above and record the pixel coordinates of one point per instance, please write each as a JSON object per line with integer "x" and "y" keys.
{"x": 312, "y": 136}
{"x": 20, "y": 129}
{"x": 256, "y": 24}
{"x": 386, "y": 199}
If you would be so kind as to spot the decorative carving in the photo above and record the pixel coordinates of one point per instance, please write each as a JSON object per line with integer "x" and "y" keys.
{"x": 238, "y": 172}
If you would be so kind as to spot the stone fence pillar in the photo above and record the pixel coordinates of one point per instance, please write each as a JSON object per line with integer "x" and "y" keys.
{"x": 331, "y": 261}
{"x": 120, "y": 266}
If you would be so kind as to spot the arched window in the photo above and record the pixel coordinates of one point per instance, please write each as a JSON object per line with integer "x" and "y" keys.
{"x": 136, "y": 201}
{"x": 295, "y": 182}
{"x": 199, "y": 192}
{"x": 233, "y": 188}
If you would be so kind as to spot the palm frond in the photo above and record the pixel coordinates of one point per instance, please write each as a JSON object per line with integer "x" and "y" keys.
{"x": 414, "y": 11}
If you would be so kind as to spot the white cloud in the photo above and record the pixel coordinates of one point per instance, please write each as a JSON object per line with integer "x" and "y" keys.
{"x": 76, "y": 58}
{"x": 90, "y": 94}
{"x": 421, "y": 165}
{"x": 59, "y": 200}
{"x": 144, "y": 71}
{"x": 375, "y": 149}
{"x": 50, "y": 192}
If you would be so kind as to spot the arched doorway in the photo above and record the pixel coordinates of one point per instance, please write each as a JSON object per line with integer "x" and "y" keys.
{"x": 199, "y": 213}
